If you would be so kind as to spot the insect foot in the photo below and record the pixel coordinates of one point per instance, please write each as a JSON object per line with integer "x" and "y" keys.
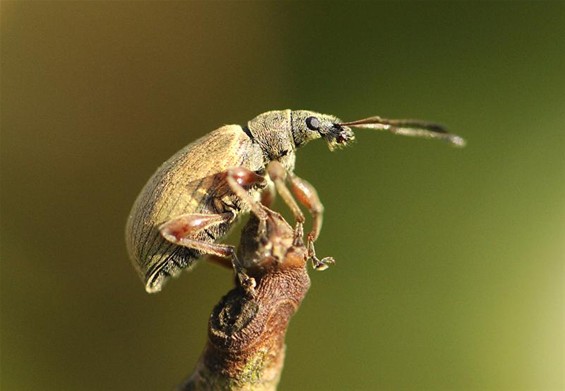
{"x": 322, "y": 264}
{"x": 318, "y": 264}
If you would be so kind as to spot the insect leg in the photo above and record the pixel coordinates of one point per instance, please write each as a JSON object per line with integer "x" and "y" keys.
{"x": 308, "y": 196}
{"x": 278, "y": 175}
{"x": 239, "y": 179}
{"x": 181, "y": 231}
{"x": 269, "y": 194}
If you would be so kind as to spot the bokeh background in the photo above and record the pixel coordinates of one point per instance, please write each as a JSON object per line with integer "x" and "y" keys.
{"x": 450, "y": 263}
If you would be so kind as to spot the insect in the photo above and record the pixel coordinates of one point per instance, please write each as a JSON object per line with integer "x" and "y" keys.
{"x": 191, "y": 202}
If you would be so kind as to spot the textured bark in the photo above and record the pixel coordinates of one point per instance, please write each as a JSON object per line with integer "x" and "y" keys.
{"x": 246, "y": 331}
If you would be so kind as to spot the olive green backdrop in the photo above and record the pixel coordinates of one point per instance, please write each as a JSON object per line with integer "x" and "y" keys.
{"x": 450, "y": 263}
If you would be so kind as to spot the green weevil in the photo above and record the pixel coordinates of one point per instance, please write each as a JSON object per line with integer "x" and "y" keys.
{"x": 191, "y": 202}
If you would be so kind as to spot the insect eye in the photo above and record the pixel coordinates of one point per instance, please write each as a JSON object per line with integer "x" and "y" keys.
{"x": 313, "y": 123}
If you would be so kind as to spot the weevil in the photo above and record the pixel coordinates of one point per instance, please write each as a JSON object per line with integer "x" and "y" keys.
{"x": 191, "y": 202}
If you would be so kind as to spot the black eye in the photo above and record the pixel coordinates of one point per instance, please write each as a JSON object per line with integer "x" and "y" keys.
{"x": 313, "y": 123}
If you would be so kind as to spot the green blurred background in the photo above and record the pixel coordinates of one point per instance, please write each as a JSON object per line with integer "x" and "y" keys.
{"x": 450, "y": 263}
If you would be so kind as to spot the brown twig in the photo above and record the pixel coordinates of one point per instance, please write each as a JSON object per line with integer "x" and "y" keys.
{"x": 246, "y": 331}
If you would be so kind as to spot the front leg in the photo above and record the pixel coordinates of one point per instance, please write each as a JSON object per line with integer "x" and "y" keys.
{"x": 307, "y": 196}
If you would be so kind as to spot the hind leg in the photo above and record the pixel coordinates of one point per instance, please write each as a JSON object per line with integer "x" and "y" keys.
{"x": 183, "y": 230}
